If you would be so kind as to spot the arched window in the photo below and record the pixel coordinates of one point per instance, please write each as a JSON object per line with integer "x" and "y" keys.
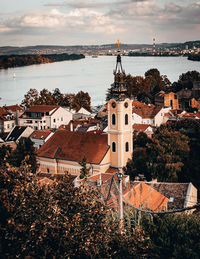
{"x": 126, "y": 119}
{"x": 113, "y": 119}
{"x": 113, "y": 147}
{"x": 127, "y": 147}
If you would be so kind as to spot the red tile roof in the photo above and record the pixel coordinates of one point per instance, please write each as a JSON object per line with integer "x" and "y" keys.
{"x": 40, "y": 134}
{"x": 3, "y": 113}
{"x": 14, "y": 108}
{"x": 73, "y": 146}
{"x": 140, "y": 127}
{"x": 142, "y": 195}
{"x": 145, "y": 111}
{"x": 42, "y": 108}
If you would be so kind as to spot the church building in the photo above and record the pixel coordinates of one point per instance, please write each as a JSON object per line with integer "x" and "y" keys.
{"x": 65, "y": 149}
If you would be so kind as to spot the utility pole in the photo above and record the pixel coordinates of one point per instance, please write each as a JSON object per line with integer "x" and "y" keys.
{"x": 121, "y": 217}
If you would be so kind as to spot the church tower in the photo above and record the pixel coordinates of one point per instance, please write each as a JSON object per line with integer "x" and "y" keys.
{"x": 120, "y": 137}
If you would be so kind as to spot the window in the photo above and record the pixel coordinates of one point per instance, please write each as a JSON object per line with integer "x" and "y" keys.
{"x": 54, "y": 120}
{"x": 126, "y": 119}
{"x": 113, "y": 119}
{"x": 61, "y": 118}
{"x": 48, "y": 170}
{"x": 8, "y": 126}
{"x": 175, "y": 96}
{"x": 113, "y": 147}
{"x": 127, "y": 147}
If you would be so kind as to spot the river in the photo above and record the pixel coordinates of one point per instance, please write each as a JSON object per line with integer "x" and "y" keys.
{"x": 92, "y": 75}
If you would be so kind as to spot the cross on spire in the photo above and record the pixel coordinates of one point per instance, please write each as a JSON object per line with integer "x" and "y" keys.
{"x": 118, "y": 43}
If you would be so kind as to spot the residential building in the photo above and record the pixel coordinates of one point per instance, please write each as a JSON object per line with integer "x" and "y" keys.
{"x": 39, "y": 137}
{"x": 148, "y": 114}
{"x": 180, "y": 195}
{"x": 7, "y": 121}
{"x": 18, "y": 132}
{"x": 163, "y": 99}
{"x": 45, "y": 117}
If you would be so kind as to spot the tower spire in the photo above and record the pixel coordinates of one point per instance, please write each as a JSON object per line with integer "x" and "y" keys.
{"x": 119, "y": 89}
{"x": 119, "y": 62}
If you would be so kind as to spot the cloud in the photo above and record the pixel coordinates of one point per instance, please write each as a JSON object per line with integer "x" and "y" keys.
{"x": 87, "y": 21}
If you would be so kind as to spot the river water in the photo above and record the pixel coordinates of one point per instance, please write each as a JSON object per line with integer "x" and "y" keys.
{"x": 92, "y": 75}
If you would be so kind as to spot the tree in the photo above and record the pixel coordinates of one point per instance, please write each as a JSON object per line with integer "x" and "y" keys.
{"x": 46, "y": 97}
{"x": 30, "y": 99}
{"x": 173, "y": 236}
{"x": 186, "y": 81}
{"x": 191, "y": 129}
{"x": 162, "y": 157}
{"x": 82, "y": 99}
{"x": 24, "y": 151}
{"x": 157, "y": 81}
{"x": 58, "y": 97}
{"x": 5, "y": 152}
{"x": 84, "y": 172}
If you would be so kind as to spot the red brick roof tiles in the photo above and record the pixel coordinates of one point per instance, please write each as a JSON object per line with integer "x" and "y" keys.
{"x": 40, "y": 134}
{"x": 145, "y": 111}
{"x": 73, "y": 146}
{"x": 14, "y": 108}
{"x": 140, "y": 127}
{"x": 142, "y": 195}
{"x": 42, "y": 108}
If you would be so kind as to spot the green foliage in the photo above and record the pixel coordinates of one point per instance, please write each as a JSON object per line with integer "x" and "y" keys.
{"x": 173, "y": 236}
{"x": 45, "y": 97}
{"x": 5, "y": 152}
{"x": 60, "y": 221}
{"x": 84, "y": 172}
{"x": 186, "y": 81}
{"x": 162, "y": 157}
{"x": 26, "y": 60}
{"x": 145, "y": 88}
{"x": 191, "y": 129}
{"x": 24, "y": 153}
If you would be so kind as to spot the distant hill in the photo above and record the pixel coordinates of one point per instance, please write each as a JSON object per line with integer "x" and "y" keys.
{"x": 51, "y": 49}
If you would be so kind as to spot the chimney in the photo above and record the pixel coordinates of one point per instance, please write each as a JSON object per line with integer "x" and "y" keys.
{"x": 17, "y": 117}
{"x": 71, "y": 126}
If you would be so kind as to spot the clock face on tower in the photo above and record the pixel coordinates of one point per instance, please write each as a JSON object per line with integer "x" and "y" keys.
{"x": 126, "y": 105}
{"x": 113, "y": 104}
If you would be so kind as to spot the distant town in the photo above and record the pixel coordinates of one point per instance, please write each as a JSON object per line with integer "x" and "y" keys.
{"x": 154, "y": 49}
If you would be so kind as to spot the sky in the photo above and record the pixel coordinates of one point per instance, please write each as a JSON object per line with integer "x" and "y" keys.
{"x": 77, "y": 22}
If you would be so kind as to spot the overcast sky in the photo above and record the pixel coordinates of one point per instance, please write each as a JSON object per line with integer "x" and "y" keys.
{"x": 70, "y": 22}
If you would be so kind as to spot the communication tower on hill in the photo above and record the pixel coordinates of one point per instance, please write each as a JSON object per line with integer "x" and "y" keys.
{"x": 154, "y": 45}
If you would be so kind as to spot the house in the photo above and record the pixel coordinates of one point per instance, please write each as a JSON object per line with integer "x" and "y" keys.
{"x": 82, "y": 113}
{"x": 141, "y": 196}
{"x": 7, "y": 120}
{"x": 39, "y": 137}
{"x": 45, "y": 117}
{"x": 164, "y": 99}
{"x": 148, "y": 129}
{"x": 148, "y": 114}
{"x": 65, "y": 149}
{"x": 189, "y": 115}
{"x": 18, "y": 132}
{"x": 16, "y": 110}
{"x": 180, "y": 195}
